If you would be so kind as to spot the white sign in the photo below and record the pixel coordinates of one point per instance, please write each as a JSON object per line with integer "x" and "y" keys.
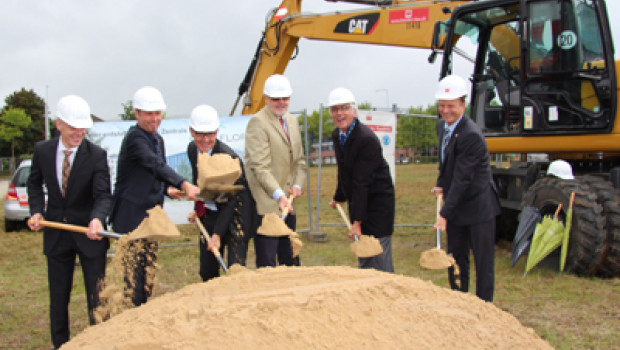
{"x": 109, "y": 135}
{"x": 384, "y": 125}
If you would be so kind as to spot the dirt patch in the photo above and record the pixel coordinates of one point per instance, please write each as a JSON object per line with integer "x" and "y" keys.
{"x": 311, "y": 307}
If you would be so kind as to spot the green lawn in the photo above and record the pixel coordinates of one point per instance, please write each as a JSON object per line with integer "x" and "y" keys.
{"x": 568, "y": 311}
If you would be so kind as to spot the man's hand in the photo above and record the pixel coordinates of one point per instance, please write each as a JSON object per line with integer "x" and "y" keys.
{"x": 190, "y": 190}
{"x": 440, "y": 223}
{"x": 284, "y": 203}
{"x": 437, "y": 191}
{"x": 215, "y": 242}
{"x": 174, "y": 193}
{"x": 94, "y": 226}
{"x": 356, "y": 229}
{"x": 192, "y": 217}
{"x": 295, "y": 192}
{"x": 33, "y": 222}
{"x": 333, "y": 204}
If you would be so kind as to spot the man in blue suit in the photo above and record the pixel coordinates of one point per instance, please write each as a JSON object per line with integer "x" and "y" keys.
{"x": 142, "y": 179}
{"x": 466, "y": 183}
{"x": 76, "y": 175}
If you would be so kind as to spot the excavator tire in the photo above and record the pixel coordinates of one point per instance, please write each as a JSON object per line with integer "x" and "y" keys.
{"x": 587, "y": 235}
{"x": 609, "y": 198}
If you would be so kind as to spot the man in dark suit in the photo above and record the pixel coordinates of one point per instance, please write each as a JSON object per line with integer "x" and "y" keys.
{"x": 466, "y": 183}
{"x": 76, "y": 175}
{"x": 364, "y": 178}
{"x": 229, "y": 220}
{"x": 142, "y": 179}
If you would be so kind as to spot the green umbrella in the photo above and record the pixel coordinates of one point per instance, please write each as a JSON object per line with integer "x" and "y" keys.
{"x": 547, "y": 237}
{"x": 569, "y": 219}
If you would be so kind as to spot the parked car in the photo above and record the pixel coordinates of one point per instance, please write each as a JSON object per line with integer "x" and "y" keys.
{"x": 16, "y": 209}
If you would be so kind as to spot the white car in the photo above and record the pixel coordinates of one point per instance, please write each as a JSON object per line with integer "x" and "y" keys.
{"x": 16, "y": 209}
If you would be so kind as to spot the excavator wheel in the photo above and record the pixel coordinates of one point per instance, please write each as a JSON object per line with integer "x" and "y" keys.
{"x": 587, "y": 235}
{"x": 609, "y": 199}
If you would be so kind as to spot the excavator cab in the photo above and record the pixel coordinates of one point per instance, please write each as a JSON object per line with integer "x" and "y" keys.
{"x": 539, "y": 68}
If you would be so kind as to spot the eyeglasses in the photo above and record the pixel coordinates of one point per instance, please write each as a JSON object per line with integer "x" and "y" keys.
{"x": 342, "y": 108}
{"x": 204, "y": 134}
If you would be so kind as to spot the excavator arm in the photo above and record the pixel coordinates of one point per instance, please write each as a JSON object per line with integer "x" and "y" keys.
{"x": 392, "y": 23}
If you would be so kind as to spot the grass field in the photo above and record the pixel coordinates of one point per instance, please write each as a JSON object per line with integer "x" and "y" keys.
{"x": 568, "y": 311}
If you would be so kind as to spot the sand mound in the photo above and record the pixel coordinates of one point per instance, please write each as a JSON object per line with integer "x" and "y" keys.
{"x": 311, "y": 307}
{"x": 156, "y": 226}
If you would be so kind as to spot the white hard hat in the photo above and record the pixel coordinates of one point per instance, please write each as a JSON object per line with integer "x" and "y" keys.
{"x": 277, "y": 86}
{"x": 204, "y": 119}
{"x": 561, "y": 169}
{"x": 74, "y": 111}
{"x": 340, "y": 96}
{"x": 451, "y": 87}
{"x": 149, "y": 99}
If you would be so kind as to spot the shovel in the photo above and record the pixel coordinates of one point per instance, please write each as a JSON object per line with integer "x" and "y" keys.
{"x": 364, "y": 247}
{"x": 156, "y": 218}
{"x": 216, "y": 252}
{"x": 274, "y": 226}
{"x": 435, "y": 258}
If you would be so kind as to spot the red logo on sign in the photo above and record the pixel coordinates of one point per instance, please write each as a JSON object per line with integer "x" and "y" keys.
{"x": 409, "y": 15}
{"x": 368, "y": 117}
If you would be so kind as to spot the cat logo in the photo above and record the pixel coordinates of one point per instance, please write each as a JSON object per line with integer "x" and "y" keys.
{"x": 359, "y": 25}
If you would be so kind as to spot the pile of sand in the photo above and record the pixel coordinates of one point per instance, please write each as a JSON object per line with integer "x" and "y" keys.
{"x": 217, "y": 174}
{"x": 366, "y": 247}
{"x": 311, "y": 307}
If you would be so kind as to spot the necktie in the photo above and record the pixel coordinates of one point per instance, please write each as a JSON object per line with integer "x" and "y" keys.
{"x": 343, "y": 139}
{"x": 284, "y": 128}
{"x": 66, "y": 168}
{"x": 199, "y": 206}
{"x": 444, "y": 143}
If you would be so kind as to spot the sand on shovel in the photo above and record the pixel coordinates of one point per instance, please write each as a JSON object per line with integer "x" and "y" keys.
{"x": 217, "y": 174}
{"x": 114, "y": 298}
{"x": 437, "y": 259}
{"x": 274, "y": 226}
{"x": 366, "y": 247}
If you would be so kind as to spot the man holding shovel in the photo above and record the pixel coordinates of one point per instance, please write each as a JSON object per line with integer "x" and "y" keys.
{"x": 470, "y": 197}
{"x": 364, "y": 178}
{"x": 142, "y": 179}
{"x": 76, "y": 175}
{"x": 229, "y": 220}
{"x": 275, "y": 163}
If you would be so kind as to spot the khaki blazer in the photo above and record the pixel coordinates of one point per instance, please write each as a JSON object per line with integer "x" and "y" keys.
{"x": 271, "y": 160}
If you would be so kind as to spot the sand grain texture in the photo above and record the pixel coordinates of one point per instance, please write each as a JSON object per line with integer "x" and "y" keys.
{"x": 311, "y": 308}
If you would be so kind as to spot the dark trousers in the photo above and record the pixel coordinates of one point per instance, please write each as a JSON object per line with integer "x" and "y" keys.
{"x": 480, "y": 238}
{"x": 141, "y": 257}
{"x": 237, "y": 246}
{"x": 60, "y": 268}
{"x": 268, "y": 249}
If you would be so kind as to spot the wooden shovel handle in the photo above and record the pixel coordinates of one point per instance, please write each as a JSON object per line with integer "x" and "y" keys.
{"x": 204, "y": 232}
{"x": 439, "y": 199}
{"x": 76, "y": 228}
{"x": 286, "y": 210}
{"x": 344, "y": 216}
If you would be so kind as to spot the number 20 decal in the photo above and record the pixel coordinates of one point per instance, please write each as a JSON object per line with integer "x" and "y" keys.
{"x": 567, "y": 40}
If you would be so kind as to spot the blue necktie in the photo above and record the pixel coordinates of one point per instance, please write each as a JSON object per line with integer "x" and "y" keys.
{"x": 444, "y": 143}
{"x": 343, "y": 138}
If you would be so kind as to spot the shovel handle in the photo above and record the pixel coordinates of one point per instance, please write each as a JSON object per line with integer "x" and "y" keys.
{"x": 286, "y": 210}
{"x": 215, "y": 252}
{"x": 346, "y": 220}
{"x": 439, "y": 198}
{"x": 76, "y": 228}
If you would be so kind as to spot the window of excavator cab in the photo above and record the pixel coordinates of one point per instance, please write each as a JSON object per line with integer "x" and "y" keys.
{"x": 564, "y": 36}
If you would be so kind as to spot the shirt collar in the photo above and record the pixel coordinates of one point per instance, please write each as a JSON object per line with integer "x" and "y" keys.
{"x": 62, "y": 148}
{"x": 453, "y": 126}
{"x": 349, "y": 129}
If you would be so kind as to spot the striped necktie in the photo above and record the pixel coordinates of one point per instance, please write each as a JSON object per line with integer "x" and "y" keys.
{"x": 284, "y": 127}
{"x": 66, "y": 168}
{"x": 444, "y": 143}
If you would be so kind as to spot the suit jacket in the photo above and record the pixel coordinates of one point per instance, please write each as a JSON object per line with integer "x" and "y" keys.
{"x": 272, "y": 161}
{"x": 364, "y": 181}
{"x": 87, "y": 196}
{"x": 142, "y": 178}
{"x": 470, "y": 195}
{"x": 242, "y": 201}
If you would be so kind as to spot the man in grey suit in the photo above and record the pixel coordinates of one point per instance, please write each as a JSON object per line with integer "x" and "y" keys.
{"x": 76, "y": 175}
{"x": 466, "y": 183}
{"x": 275, "y": 163}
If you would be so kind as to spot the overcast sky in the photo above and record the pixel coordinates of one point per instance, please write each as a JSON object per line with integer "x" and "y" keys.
{"x": 195, "y": 52}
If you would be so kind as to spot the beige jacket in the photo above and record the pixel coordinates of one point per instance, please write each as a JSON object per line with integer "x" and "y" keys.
{"x": 271, "y": 160}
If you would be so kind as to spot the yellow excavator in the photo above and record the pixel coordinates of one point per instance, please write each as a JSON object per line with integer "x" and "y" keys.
{"x": 544, "y": 87}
